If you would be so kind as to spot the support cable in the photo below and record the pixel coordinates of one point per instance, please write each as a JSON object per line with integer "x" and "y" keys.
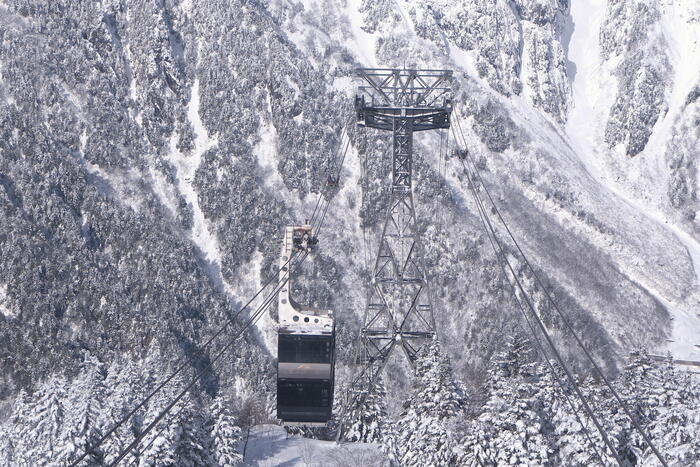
{"x": 199, "y": 376}
{"x": 544, "y": 331}
{"x": 256, "y": 317}
{"x": 501, "y": 258}
{"x": 181, "y": 367}
{"x": 588, "y": 355}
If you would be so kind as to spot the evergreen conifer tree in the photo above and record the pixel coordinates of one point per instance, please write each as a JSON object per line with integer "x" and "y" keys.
{"x": 82, "y": 428}
{"x": 125, "y": 389}
{"x": 515, "y": 427}
{"x": 14, "y": 433}
{"x": 190, "y": 440}
{"x": 42, "y": 440}
{"x": 225, "y": 435}
{"x": 666, "y": 403}
{"x": 420, "y": 436}
{"x": 367, "y": 415}
{"x": 159, "y": 447}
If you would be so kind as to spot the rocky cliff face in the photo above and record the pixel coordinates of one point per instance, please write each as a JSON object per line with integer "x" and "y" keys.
{"x": 631, "y": 38}
{"x": 151, "y": 153}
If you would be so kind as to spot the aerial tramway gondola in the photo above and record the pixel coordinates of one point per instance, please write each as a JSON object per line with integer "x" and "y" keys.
{"x": 305, "y": 347}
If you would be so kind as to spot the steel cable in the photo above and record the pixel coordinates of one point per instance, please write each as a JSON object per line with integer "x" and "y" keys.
{"x": 255, "y": 317}
{"x": 197, "y": 377}
{"x": 501, "y": 258}
{"x": 181, "y": 367}
{"x": 565, "y": 320}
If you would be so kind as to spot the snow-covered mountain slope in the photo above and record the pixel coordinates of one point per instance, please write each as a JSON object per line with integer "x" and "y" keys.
{"x": 585, "y": 138}
{"x": 659, "y": 183}
{"x": 151, "y": 153}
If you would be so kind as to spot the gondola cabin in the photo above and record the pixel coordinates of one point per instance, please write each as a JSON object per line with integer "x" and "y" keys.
{"x": 305, "y": 347}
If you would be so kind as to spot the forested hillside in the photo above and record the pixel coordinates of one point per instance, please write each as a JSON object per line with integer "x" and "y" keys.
{"x": 151, "y": 152}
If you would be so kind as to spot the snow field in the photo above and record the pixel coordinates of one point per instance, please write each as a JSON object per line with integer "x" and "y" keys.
{"x": 269, "y": 445}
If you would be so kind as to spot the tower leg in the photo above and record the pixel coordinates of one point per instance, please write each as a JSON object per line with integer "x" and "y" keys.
{"x": 399, "y": 312}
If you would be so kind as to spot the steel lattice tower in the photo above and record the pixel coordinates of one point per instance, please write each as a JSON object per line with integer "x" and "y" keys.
{"x": 399, "y": 309}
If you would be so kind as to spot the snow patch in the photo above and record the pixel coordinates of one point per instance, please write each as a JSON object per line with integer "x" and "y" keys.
{"x": 345, "y": 84}
{"x": 186, "y": 167}
{"x": 363, "y": 43}
{"x": 465, "y": 60}
{"x": 266, "y": 152}
{"x": 202, "y": 141}
{"x": 5, "y": 309}
{"x": 593, "y": 86}
{"x": 164, "y": 191}
{"x": 117, "y": 184}
{"x": 270, "y": 445}
{"x": 266, "y": 326}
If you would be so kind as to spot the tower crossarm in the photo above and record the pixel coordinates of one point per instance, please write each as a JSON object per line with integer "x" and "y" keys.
{"x": 404, "y": 88}
{"x": 421, "y": 96}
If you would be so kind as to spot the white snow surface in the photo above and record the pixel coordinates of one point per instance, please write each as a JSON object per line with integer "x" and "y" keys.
{"x": 186, "y": 166}
{"x": 363, "y": 43}
{"x": 4, "y": 308}
{"x": 266, "y": 152}
{"x": 637, "y": 183}
{"x": 270, "y": 445}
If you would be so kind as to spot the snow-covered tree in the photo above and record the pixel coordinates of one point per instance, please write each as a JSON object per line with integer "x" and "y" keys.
{"x": 159, "y": 446}
{"x": 191, "y": 450}
{"x": 662, "y": 399}
{"x": 420, "y": 436}
{"x": 14, "y": 432}
{"x": 225, "y": 435}
{"x": 86, "y": 401}
{"x": 126, "y": 387}
{"x": 515, "y": 426}
{"x": 667, "y": 404}
{"x": 42, "y": 440}
{"x": 367, "y": 414}
{"x": 577, "y": 440}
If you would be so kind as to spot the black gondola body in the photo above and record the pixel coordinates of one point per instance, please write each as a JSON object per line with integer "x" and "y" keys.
{"x": 305, "y": 348}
